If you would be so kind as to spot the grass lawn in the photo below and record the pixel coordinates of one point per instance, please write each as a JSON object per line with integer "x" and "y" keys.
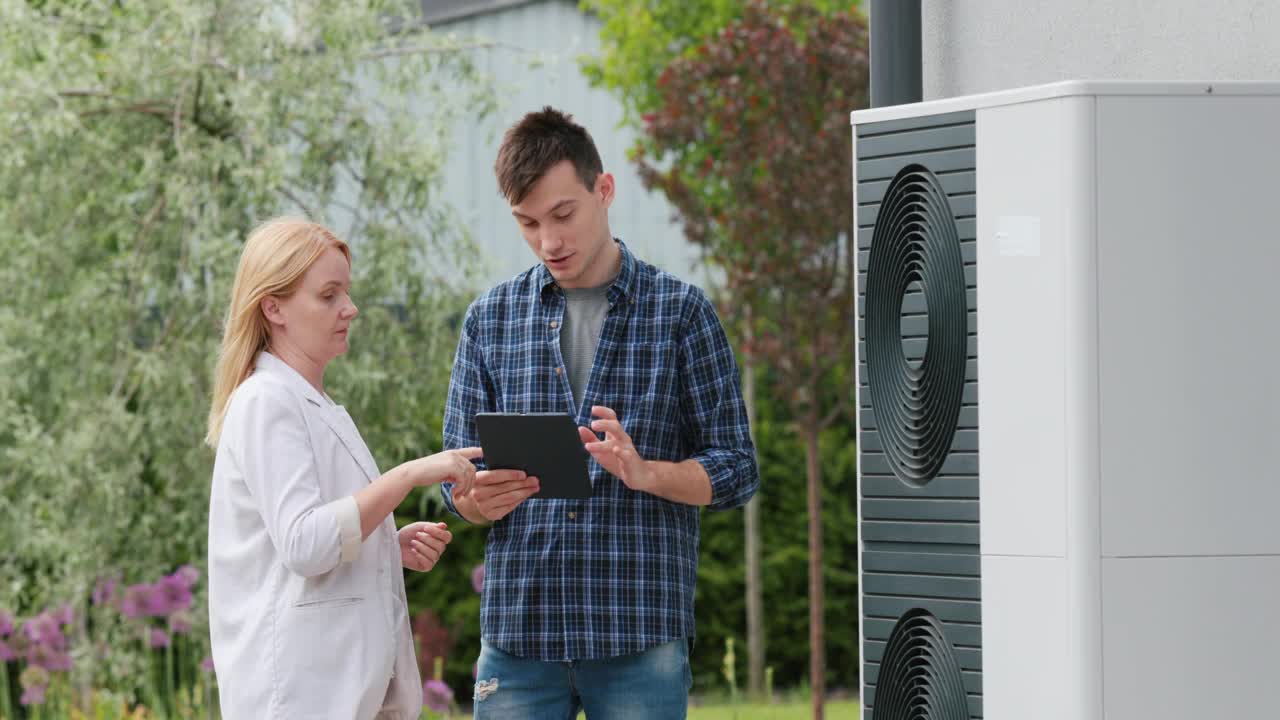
{"x": 789, "y": 710}
{"x": 797, "y": 710}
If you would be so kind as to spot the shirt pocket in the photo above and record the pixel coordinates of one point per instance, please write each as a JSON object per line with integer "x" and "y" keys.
{"x": 644, "y": 386}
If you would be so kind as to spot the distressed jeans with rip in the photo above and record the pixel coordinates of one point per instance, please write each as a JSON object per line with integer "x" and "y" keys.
{"x": 651, "y": 685}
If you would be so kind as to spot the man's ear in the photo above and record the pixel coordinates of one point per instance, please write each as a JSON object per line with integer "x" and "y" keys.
{"x": 605, "y": 188}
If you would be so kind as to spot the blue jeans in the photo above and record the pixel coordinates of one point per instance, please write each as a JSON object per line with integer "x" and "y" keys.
{"x": 651, "y": 684}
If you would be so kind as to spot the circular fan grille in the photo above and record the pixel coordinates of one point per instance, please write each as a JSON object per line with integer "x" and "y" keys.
{"x": 919, "y": 676}
{"x": 916, "y": 247}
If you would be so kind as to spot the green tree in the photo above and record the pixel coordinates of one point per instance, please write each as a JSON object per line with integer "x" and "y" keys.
{"x": 142, "y": 141}
{"x": 720, "y": 602}
{"x": 639, "y": 40}
{"x": 751, "y": 143}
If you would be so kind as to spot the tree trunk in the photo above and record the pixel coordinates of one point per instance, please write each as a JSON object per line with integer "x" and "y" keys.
{"x": 817, "y": 629}
{"x": 755, "y": 601}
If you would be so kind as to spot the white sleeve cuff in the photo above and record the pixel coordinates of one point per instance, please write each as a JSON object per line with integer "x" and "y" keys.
{"x": 347, "y": 513}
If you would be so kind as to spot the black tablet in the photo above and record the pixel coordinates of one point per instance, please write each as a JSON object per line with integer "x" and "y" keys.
{"x": 544, "y": 445}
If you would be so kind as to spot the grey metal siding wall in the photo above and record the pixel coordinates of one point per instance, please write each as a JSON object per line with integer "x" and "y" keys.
{"x": 920, "y": 542}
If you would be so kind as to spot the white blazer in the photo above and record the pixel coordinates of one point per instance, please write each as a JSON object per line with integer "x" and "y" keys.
{"x": 306, "y": 621}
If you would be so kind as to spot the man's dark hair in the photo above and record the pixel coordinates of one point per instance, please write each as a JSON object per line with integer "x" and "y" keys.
{"x": 538, "y": 142}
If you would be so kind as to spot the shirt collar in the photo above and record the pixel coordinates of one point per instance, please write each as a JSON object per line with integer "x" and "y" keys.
{"x": 622, "y": 287}
{"x": 275, "y": 367}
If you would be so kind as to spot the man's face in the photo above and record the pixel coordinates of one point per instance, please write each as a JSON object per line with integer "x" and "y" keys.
{"x": 567, "y": 226}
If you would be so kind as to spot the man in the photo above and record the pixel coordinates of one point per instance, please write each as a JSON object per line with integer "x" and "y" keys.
{"x": 589, "y": 603}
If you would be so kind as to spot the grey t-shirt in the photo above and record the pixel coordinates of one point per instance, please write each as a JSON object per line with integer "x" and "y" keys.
{"x": 584, "y": 313}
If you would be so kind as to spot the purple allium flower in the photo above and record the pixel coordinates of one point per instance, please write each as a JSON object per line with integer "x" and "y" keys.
{"x": 6, "y": 653}
{"x": 165, "y": 598}
{"x": 64, "y": 615}
{"x": 43, "y": 629}
{"x": 437, "y": 695}
{"x": 136, "y": 600}
{"x": 33, "y": 695}
{"x": 60, "y": 661}
{"x": 477, "y": 577}
{"x": 104, "y": 591}
{"x": 188, "y": 574}
{"x": 6, "y": 623}
{"x": 49, "y": 658}
{"x": 180, "y": 622}
{"x": 38, "y": 656}
{"x": 174, "y": 594}
{"x": 146, "y": 600}
{"x": 207, "y": 664}
{"x": 157, "y": 638}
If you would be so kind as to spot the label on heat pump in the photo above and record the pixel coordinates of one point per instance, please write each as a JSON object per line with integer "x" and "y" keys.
{"x": 1018, "y": 236}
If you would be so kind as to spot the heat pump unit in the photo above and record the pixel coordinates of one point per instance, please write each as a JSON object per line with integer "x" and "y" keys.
{"x": 1069, "y": 416}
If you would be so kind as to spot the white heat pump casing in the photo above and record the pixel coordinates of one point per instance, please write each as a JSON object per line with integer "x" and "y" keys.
{"x": 1127, "y": 329}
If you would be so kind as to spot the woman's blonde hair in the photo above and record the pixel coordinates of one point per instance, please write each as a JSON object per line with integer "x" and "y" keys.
{"x": 275, "y": 257}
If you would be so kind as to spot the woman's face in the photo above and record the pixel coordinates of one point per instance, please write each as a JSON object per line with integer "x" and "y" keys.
{"x": 316, "y": 318}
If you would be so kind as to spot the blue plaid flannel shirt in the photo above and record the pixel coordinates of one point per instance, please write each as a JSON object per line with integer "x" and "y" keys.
{"x": 614, "y": 574}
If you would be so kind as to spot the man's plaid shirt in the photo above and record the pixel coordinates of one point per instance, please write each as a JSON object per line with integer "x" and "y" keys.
{"x": 614, "y": 574}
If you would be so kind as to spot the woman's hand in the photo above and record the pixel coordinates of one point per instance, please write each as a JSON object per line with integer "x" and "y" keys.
{"x": 422, "y": 544}
{"x": 449, "y": 466}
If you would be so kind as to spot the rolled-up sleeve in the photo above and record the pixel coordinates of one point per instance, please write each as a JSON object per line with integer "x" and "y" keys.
{"x": 311, "y": 535}
{"x": 711, "y": 401}
{"x": 470, "y": 392}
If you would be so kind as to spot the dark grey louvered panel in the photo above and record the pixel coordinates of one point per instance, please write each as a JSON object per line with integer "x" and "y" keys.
{"x": 920, "y": 543}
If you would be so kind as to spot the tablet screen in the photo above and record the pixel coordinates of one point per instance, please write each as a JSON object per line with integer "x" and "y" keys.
{"x": 543, "y": 445}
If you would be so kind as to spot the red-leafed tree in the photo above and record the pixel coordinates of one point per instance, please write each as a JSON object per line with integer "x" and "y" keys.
{"x": 751, "y": 144}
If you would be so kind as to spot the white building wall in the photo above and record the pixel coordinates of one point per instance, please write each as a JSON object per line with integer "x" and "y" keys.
{"x": 972, "y": 46}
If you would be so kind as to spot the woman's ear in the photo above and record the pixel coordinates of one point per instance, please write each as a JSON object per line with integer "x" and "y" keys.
{"x": 271, "y": 310}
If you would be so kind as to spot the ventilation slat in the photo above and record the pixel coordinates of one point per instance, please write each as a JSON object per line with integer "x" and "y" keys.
{"x": 966, "y": 229}
{"x": 867, "y": 417}
{"x": 917, "y": 394}
{"x": 954, "y": 183}
{"x": 960, "y": 634}
{"x": 889, "y": 127}
{"x": 964, "y": 441}
{"x": 920, "y": 509}
{"x": 953, "y": 464}
{"x": 961, "y": 206}
{"x": 949, "y": 136}
{"x": 914, "y": 302}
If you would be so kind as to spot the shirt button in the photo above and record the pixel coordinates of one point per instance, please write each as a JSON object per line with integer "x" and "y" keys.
{"x": 554, "y": 323}
{"x": 573, "y": 515}
{"x": 559, "y": 371}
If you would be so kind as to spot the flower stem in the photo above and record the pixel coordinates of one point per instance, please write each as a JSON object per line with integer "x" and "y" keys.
{"x": 6, "y": 706}
{"x": 172, "y": 700}
{"x": 153, "y": 690}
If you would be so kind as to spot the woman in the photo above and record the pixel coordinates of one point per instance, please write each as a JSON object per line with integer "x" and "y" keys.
{"x": 307, "y": 611}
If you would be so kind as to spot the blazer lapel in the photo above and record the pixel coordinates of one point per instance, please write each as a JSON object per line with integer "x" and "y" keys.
{"x": 333, "y": 416}
{"x": 342, "y": 426}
